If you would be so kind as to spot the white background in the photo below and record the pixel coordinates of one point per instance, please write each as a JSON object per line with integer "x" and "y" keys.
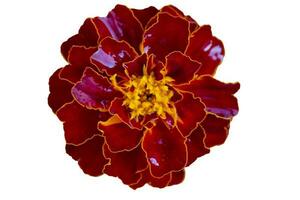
{"x": 260, "y": 159}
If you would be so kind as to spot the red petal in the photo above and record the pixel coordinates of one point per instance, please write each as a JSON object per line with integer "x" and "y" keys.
{"x": 124, "y": 113}
{"x": 144, "y": 15}
{"x": 160, "y": 39}
{"x": 111, "y": 55}
{"x": 89, "y": 155}
{"x": 123, "y": 25}
{"x": 172, "y": 10}
{"x": 165, "y": 149}
{"x": 206, "y": 48}
{"x": 60, "y": 91}
{"x": 190, "y": 111}
{"x": 87, "y": 36}
{"x": 146, "y": 177}
{"x": 125, "y": 164}
{"x": 119, "y": 136}
{"x": 94, "y": 91}
{"x": 155, "y": 66}
{"x": 216, "y": 130}
{"x": 135, "y": 67}
{"x": 79, "y": 59}
{"x": 195, "y": 145}
{"x": 177, "y": 177}
{"x": 217, "y": 96}
{"x": 180, "y": 67}
{"x": 79, "y": 122}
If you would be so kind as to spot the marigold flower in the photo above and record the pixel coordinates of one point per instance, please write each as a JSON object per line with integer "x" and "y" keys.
{"x": 137, "y": 98}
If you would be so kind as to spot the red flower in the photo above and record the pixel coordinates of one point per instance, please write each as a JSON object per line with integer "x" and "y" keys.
{"x": 138, "y": 98}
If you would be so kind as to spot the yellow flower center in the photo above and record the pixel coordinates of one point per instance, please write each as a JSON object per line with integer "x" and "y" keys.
{"x": 145, "y": 95}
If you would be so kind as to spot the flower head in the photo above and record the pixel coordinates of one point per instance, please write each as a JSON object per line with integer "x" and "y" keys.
{"x": 138, "y": 98}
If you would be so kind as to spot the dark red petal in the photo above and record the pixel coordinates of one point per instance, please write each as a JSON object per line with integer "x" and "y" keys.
{"x": 146, "y": 177}
{"x": 154, "y": 66}
{"x": 195, "y": 145}
{"x": 79, "y": 122}
{"x": 60, "y": 91}
{"x": 205, "y": 48}
{"x": 123, "y": 25}
{"x": 217, "y": 96}
{"x": 177, "y": 177}
{"x": 125, "y": 164}
{"x": 144, "y": 15}
{"x": 160, "y": 39}
{"x": 89, "y": 155}
{"x": 111, "y": 55}
{"x": 94, "y": 91}
{"x": 172, "y": 10}
{"x": 180, "y": 67}
{"x": 79, "y": 59}
{"x": 216, "y": 130}
{"x": 87, "y": 36}
{"x": 190, "y": 112}
{"x": 135, "y": 67}
{"x": 118, "y": 135}
{"x": 124, "y": 113}
{"x": 165, "y": 149}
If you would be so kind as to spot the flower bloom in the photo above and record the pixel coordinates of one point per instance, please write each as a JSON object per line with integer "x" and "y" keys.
{"x": 137, "y": 98}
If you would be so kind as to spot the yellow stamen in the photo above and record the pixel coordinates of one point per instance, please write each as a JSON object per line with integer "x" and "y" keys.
{"x": 145, "y": 95}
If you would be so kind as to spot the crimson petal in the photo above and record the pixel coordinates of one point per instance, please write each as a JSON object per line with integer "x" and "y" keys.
{"x": 205, "y": 48}
{"x": 177, "y": 177}
{"x": 144, "y": 15}
{"x": 59, "y": 91}
{"x": 160, "y": 39}
{"x": 165, "y": 149}
{"x": 135, "y": 67}
{"x": 89, "y": 155}
{"x": 111, "y": 55}
{"x": 124, "y": 113}
{"x": 125, "y": 164}
{"x": 216, "y": 130}
{"x": 123, "y": 25}
{"x": 180, "y": 67}
{"x": 195, "y": 145}
{"x": 87, "y": 36}
{"x": 94, "y": 91}
{"x": 190, "y": 111}
{"x": 118, "y": 135}
{"x": 217, "y": 96}
{"x": 79, "y": 122}
{"x": 79, "y": 59}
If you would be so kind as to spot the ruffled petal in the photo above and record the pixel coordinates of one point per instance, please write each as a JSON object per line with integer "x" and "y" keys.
{"x": 180, "y": 67}
{"x": 205, "y": 48}
{"x": 88, "y": 36}
{"x": 172, "y": 10}
{"x": 195, "y": 145}
{"x": 144, "y": 15}
{"x": 123, "y": 113}
{"x": 165, "y": 149}
{"x": 177, "y": 177}
{"x": 79, "y": 59}
{"x": 123, "y": 25}
{"x": 160, "y": 39}
{"x": 111, "y": 55}
{"x": 125, "y": 164}
{"x": 94, "y": 91}
{"x": 80, "y": 123}
{"x": 217, "y": 96}
{"x": 60, "y": 91}
{"x": 135, "y": 67}
{"x": 89, "y": 155}
{"x": 216, "y": 130}
{"x": 118, "y": 135}
{"x": 190, "y": 111}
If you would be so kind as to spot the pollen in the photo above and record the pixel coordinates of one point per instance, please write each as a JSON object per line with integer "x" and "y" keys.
{"x": 145, "y": 95}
